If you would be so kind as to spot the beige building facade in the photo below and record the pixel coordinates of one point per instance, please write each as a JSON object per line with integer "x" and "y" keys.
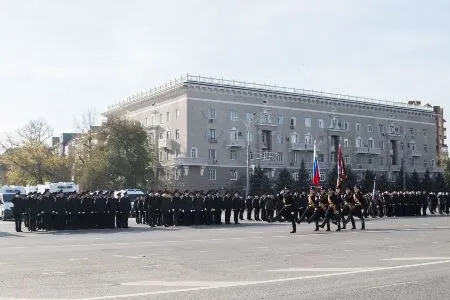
{"x": 199, "y": 129}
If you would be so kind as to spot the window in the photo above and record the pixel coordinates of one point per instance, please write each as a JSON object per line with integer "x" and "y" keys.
{"x": 433, "y": 163}
{"x": 322, "y": 177}
{"x": 369, "y": 160}
{"x": 233, "y": 175}
{"x": 279, "y": 138}
{"x": 153, "y": 122}
{"x": 381, "y": 128}
{"x": 321, "y": 158}
{"x": 346, "y": 143}
{"x": 233, "y": 134}
{"x": 346, "y": 125}
{"x": 212, "y": 174}
{"x": 167, "y": 117}
{"x": 412, "y": 162}
{"x": 321, "y": 140}
{"x": 279, "y": 156}
{"x": 248, "y": 116}
{"x": 177, "y": 114}
{"x": 265, "y": 118}
{"x": 161, "y": 156}
{"x": 411, "y": 131}
{"x": 233, "y": 115}
{"x": 161, "y": 135}
{"x": 295, "y": 157}
{"x": 399, "y": 130}
{"x": 308, "y": 139}
{"x": 161, "y": 119}
{"x": 146, "y": 121}
{"x": 425, "y": 148}
{"x": 358, "y": 142}
{"x": 280, "y": 120}
{"x": 233, "y": 154}
{"x": 332, "y": 160}
{"x": 391, "y": 128}
{"x": 382, "y": 145}
{"x": 425, "y": 132}
{"x": 194, "y": 152}
{"x": 177, "y": 134}
{"x": 369, "y": 128}
{"x": 358, "y": 127}
{"x": 212, "y": 154}
{"x": 370, "y": 143}
{"x": 307, "y": 122}
{"x": 425, "y": 163}
{"x": 167, "y": 155}
{"x": 294, "y": 137}
{"x": 295, "y": 176}
{"x": 321, "y": 123}
{"x": 347, "y": 160}
{"x": 402, "y": 146}
{"x": 212, "y": 114}
{"x": 412, "y": 146}
{"x": 168, "y": 134}
{"x": 381, "y": 161}
{"x": 358, "y": 160}
{"x": 212, "y": 134}
{"x": 292, "y": 122}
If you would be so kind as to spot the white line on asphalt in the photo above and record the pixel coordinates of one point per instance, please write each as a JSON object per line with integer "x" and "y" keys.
{"x": 435, "y": 243}
{"x": 257, "y": 232}
{"x": 217, "y": 239}
{"x": 258, "y": 237}
{"x": 394, "y": 284}
{"x": 321, "y": 269}
{"x": 236, "y": 238}
{"x": 263, "y": 247}
{"x": 203, "y": 251}
{"x": 239, "y": 284}
{"x": 197, "y": 240}
{"x": 278, "y": 236}
{"x": 148, "y": 242}
{"x": 17, "y": 247}
{"x": 416, "y": 258}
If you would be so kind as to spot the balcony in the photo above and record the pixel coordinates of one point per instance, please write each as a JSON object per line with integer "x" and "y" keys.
{"x": 362, "y": 150}
{"x": 394, "y": 133}
{"x": 166, "y": 144}
{"x": 415, "y": 153}
{"x": 301, "y": 147}
{"x": 190, "y": 161}
{"x": 375, "y": 151}
{"x": 236, "y": 144}
{"x": 212, "y": 140}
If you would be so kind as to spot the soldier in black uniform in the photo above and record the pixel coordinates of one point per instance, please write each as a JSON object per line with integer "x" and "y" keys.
{"x": 46, "y": 210}
{"x": 270, "y": 207}
{"x": 447, "y": 203}
{"x": 287, "y": 211}
{"x": 355, "y": 207}
{"x": 33, "y": 210}
{"x": 198, "y": 208}
{"x": 111, "y": 210}
{"x": 136, "y": 209}
{"x": 165, "y": 209}
{"x": 217, "y": 205}
{"x": 319, "y": 211}
{"x": 60, "y": 211}
{"x": 19, "y": 208}
{"x": 236, "y": 205}
{"x": 256, "y": 207}
{"x": 433, "y": 202}
{"x": 249, "y": 207}
{"x": 208, "y": 207}
{"x": 150, "y": 204}
{"x": 125, "y": 208}
{"x": 262, "y": 207}
{"x": 441, "y": 198}
{"x": 177, "y": 208}
{"x": 333, "y": 211}
{"x": 311, "y": 206}
{"x": 227, "y": 206}
{"x": 242, "y": 209}
{"x": 100, "y": 210}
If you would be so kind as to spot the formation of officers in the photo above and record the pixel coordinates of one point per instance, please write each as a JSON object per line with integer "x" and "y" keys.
{"x": 57, "y": 211}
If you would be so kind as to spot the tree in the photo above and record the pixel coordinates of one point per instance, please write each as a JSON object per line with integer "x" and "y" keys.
{"x": 303, "y": 180}
{"x": 367, "y": 182}
{"x": 28, "y": 158}
{"x": 399, "y": 182}
{"x": 332, "y": 177}
{"x": 414, "y": 181}
{"x": 259, "y": 182}
{"x": 284, "y": 180}
{"x": 351, "y": 177}
{"x": 427, "y": 182}
{"x": 439, "y": 183}
{"x": 382, "y": 183}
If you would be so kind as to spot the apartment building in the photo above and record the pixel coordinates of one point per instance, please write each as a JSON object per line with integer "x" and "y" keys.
{"x": 203, "y": 130}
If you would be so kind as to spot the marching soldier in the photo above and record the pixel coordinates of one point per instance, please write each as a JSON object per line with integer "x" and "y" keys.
{"x": 320, "y": 210}
{"x": 287, "y": 211}
{"x": 334, "y": 210}
{"x": 355, "y": 208}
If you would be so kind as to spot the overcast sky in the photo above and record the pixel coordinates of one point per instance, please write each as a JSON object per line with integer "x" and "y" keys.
{"x": 59, "y": 58}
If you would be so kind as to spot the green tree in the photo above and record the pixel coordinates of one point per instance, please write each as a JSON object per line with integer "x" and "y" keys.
{"x": 414, "y": 181}
{"x": 303, "y": 180}
{"x": 259, "y": 182}
{"x": 284, "y": 180}
{"x": 427, "y": 182}
{"x": 439, "y": 183}
{"x": 367, "y": 182}
{"x": 382, "y": 183}
{"x": 332, "y": 177}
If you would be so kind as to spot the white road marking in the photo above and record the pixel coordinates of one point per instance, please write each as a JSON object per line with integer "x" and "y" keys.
{"x": 394, "y": 284}
{"x": 236, "y": 238}
{"x": 121, "y": 243}
{"x": 197, "y": 240}
{"x": 217, "y": 239}
{"x": 258, "y": 237}
{"x": 416, "y": 258}
{"x": 263, "y": 247}
{"x": 182, "y": 283}
{"x": 278, "y": 236}
{"x": 257, "y": 232}
{"x": 321, "y": 269}
{"x": 250, "y": 283}
{"x": 17, "y": 247}
{"x": 148, "y": 242}
{"x": 203, "y": 251}
{"x": 435, "y": 243}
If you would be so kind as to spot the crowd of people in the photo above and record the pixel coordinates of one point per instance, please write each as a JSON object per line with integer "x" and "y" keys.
{"x": 87, "y": 210}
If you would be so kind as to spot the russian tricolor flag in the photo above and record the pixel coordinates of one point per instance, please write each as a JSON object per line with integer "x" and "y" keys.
{"x": 316, "y": 170}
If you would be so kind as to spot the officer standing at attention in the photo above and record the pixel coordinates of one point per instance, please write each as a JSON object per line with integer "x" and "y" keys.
{"x": 236, "y": 204}
{"x": 18, "y": 210}
{"x": 227, "y": 205}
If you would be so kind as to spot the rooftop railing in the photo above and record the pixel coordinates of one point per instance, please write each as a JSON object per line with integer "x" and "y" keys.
{"x": 177, "y": 82}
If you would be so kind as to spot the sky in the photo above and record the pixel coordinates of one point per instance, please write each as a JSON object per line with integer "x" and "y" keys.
{"x": 59, "y": 59}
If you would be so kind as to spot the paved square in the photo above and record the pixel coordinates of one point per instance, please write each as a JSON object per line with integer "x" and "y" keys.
{"x": 397, "y": 258}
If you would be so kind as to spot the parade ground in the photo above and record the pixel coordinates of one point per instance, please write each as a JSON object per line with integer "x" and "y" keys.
{"x": 394, "y": 258}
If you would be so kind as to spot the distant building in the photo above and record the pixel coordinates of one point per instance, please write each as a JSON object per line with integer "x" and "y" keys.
{"x": 198, "y": 127}
{"x": 61, "y": 143}
{"x": 441, "y": 135}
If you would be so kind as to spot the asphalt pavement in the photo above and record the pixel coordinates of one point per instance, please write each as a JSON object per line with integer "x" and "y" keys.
{"x": 394, "y": 258}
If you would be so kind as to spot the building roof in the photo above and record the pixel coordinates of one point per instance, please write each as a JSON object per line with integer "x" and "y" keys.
{"x": 265, "y": 88}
